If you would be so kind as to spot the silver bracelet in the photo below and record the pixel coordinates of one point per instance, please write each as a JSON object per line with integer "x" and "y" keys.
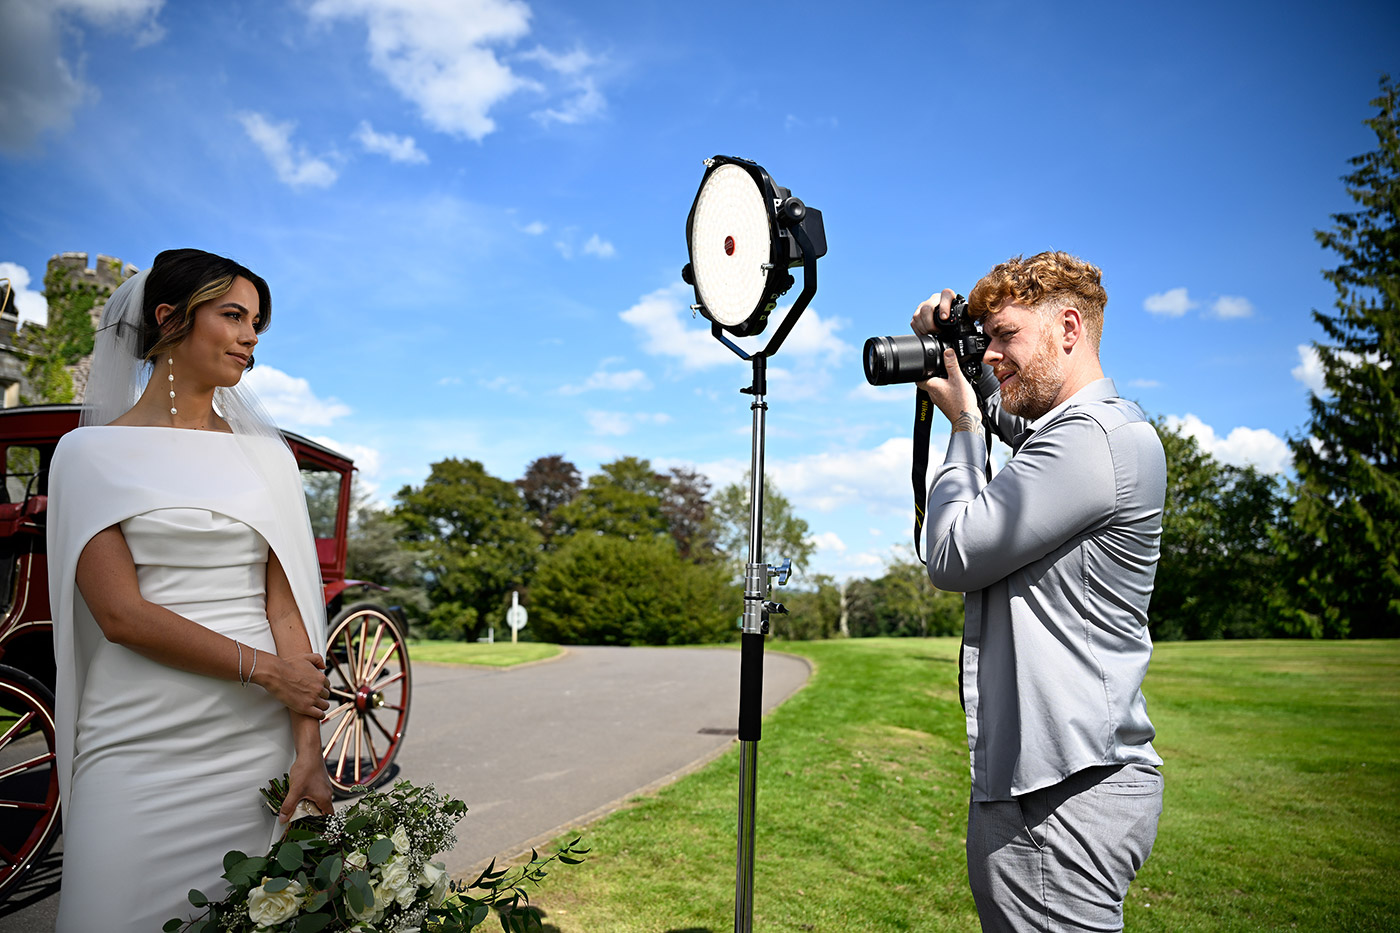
{"x": 253, "y": 668}
{"x": 240, "y": 661}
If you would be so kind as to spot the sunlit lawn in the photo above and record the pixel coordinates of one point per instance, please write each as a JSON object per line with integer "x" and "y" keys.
{"x": 500, "y": 654}
{"x": 1280, "y": 804}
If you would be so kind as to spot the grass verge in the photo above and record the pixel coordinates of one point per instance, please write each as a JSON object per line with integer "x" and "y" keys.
{"x": 500, "y": 654}
{"x": 1281, "y": 772}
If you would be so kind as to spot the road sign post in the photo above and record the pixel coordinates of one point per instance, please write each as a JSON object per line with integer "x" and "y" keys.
{"x": 516, "y": 616}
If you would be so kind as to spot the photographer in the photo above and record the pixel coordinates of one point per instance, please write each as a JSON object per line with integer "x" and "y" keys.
{"x": 1056, "y": 556}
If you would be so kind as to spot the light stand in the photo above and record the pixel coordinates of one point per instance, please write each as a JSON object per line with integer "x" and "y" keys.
{"x": 744, "y": 233}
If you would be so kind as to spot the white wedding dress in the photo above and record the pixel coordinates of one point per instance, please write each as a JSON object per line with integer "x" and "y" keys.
{"x": 166, "y": 764}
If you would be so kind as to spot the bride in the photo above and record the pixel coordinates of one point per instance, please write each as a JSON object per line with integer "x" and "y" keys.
{"x": 188, "y": 616}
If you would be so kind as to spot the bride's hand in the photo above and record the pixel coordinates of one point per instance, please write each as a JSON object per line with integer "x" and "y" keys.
{"x": 307, "y": 780}
{"x": 297, "y": 682}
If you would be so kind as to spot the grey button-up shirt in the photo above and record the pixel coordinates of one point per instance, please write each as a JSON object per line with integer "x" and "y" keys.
{"x": 1056, "y": 556}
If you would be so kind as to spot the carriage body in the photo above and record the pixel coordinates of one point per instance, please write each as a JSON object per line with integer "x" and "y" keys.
{"x": 367, "y": 657}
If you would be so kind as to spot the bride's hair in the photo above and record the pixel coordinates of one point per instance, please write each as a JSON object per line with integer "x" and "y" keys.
{"x": 186, "y": 279}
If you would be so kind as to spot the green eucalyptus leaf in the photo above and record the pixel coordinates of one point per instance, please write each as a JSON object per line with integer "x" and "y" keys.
{"x": 232, "y": 858}
{"x": 329, "y": 869}
{"x": 380, "y": 851}
{"x": 355, "y": 898}
{"x": 172, "y": 925}
{"x": 317, "y": 901}
{"x": 197, "y": 898}
{"x": 273, "y": 885}
{"x": 312, "y": 923}
{"x": 289, "y": 856}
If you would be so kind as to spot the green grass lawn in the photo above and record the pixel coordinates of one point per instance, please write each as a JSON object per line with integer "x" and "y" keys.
{"x": 1280, "y": 814}
{"x": 500, "y": 654}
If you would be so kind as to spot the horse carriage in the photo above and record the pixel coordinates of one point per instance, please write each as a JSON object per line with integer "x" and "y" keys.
{"x": 366, "y": 655}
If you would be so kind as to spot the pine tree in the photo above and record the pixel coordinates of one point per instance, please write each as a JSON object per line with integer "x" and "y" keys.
{"x": 1347, "y": 514}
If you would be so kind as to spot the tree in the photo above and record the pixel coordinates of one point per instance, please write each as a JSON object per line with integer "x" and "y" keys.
{"x": 623, "y": 500}
{"x": 66, "y": 338}
{"x": 472, "y": 538}
{"x": 812, "y": 613}
{"x": 1345, "y": 566}
{"x": 548, "y": 484}
{"x": 685, "y": 506}
{"x": 1220, "y": 574}
{"x": 784, "y": 534}
{"x": 375, "y": 552}
{"x": 606, "y": 590}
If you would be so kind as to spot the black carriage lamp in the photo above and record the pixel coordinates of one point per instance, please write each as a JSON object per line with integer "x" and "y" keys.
{"x": 744, "y": 233}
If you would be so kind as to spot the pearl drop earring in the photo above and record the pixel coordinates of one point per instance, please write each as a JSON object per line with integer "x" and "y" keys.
{"x": 171, "y": 361}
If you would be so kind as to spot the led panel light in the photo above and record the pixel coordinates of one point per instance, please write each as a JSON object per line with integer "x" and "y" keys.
{"x": 731, "y": 241}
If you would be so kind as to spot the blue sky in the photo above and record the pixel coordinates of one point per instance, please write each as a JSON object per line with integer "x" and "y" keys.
{"x": 472, "y": 213}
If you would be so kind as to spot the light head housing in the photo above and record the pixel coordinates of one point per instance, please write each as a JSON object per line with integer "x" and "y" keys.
{"x": 741, "y": 242}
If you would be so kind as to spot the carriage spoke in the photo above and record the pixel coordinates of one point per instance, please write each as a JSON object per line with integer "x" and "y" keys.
{"x": 393, "y": 650}
{"x": 360, "y": 661}
{"x": 380, "y": 726}
{"x": 339, "y": 730}
{"x": 369, "y": 740}
{"x": 29, "y": 765}
{"x": 16, "y": 727}
{"x": 359, "y": 749}
{"x": 372, "y": 654}
{"x": 395, "y": 678}
{"x": 23, "y": 805}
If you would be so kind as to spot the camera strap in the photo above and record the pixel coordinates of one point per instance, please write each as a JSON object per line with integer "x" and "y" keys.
{"x": 923, "y": 428}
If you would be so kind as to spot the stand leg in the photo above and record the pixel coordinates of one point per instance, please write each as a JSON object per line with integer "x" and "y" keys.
{"x": 750, "y": 731}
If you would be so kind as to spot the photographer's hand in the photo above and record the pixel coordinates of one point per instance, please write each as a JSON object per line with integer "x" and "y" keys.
{"x": 953, "y": 395}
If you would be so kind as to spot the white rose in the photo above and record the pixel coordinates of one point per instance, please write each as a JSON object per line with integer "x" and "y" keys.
{"x": 268, "y": 909}
{"x": 372, "y": 913}
{"x": 434, "y": 875}
{"x": 397, "y": 883}
{"x": 400, "y": 839}
{"x": 356, "y": 860}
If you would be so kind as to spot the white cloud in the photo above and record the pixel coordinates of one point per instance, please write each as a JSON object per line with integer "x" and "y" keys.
{"x": 900, "y": 394}
{"x": 294, "y": 166}
{"x": 30, "y": 305}
{"x": 397, "y": 148}
{"x": 585, "y": 100}
{"x": 507, "y": 384}
{"x": 290, "y": 400}
{"x": 666, "y": 329}
{"x": 39, "y": 86}
{"x": 624, "y": 381}
{"x": 599, "y": 247}
{"x": 368, "y": 461}
{"x": 1231, "y": 306}
{"x": 828, "y": 541}
{"x": 618, "y": 423}
{"x": 1171, "y": 303}
{"x": 1255, "y": 447}
{"x": 442, "y": 56}
{"x": 535, "y": 228}
{"x": 877, "y": 477}
{"x": 1309, "y": 368}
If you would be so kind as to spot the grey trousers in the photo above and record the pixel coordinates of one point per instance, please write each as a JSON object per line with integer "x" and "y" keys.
{"x": 1060, "y": 859}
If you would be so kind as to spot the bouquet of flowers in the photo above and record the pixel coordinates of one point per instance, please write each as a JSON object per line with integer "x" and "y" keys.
{"x": 368, "y": 869}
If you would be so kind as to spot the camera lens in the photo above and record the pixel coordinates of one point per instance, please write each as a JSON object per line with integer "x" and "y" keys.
{"x": 906, "y": 358}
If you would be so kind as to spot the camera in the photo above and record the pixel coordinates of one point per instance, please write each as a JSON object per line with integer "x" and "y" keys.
{"x": 916, "y": 357}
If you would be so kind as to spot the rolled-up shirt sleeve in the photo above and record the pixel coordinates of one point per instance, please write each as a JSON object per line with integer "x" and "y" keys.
{"x": 1059, "y": 484}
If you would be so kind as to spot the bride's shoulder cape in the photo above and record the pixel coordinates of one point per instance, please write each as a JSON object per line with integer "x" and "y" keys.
{"x": 101, "y": 476}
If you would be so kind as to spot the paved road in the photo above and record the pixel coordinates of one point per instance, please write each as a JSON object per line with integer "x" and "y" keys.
{"x": 535, "y": 749}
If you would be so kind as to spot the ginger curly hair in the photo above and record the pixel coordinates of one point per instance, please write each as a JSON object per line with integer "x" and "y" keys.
{"x": 1048, "y": 281}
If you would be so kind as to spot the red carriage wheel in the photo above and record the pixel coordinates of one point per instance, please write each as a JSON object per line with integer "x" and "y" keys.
{"x": 28, "y": 775}
{"x": 367, "y": 662}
